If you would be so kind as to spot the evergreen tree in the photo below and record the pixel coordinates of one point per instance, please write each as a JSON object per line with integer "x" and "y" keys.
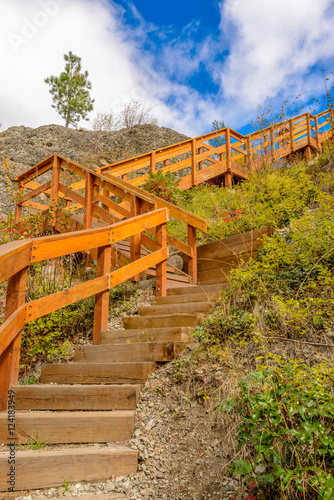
{"x": 217, "y": 125}
{"x": 70, "y": 91}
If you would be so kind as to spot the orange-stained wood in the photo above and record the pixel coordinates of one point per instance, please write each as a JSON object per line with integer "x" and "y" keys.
{"x": 36, "y": 206}
{"x": 135, "y": 240}
{"x": 192, "y": 261}
{"x": 88, "y": 213}
{"x": 114, "y": 206}
{"x": 36, "y": 192}
{"x": 10, "y": 358}
{"x": 137, "y": 267}
{"x": 12, "y": 327}
{"x": 49, "y": 247}
{"x": 161, "y": 268}
{"x": 36, "y": 171}
{"x": 193, "y": 162}
{"x": 55, "y": 187}
{"x": 14, "y": 256}
{"x": 50, "y": 303}
{"x": 152, "y": 162}
{"x": 101, "y": 310}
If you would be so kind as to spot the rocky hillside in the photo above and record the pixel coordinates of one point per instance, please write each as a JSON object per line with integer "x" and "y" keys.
{"x": 24, "y": 147}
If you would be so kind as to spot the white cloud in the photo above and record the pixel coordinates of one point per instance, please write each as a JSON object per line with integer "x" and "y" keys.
{"x": 273, "y": 46}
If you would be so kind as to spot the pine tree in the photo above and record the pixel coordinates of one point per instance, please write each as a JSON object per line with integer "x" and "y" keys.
{"x": 70, "y": 91}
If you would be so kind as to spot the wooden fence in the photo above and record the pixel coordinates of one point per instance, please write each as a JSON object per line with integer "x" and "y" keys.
{"x": 227, "y": 153}
{"x": 15, "y": 258}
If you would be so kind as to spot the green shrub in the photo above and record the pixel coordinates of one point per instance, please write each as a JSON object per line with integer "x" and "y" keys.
{"x": 287, "y": 414}
{"x": 164, "y": 185}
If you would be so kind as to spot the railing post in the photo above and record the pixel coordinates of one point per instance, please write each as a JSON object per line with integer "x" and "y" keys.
{"x": 135, "y": 240}
{"x": 152, "y": 162}
{"x": 10, "y": 359}
{"x": 101, "y": 311}
{"x": 200, "y": 163}
{"x": 292, "y": 146}
{"x": 88, "y": 209}
{"x": 308, "y": 129}
{"x": 192, "y": 261}
{"x": 55, "y": 187}
{"x": 272, "y": 144}
{"x": 249, "y": 152}
{"x": 317, "y": 132}
{"x": 331, "y": 117}
{"x": 193, "y": 162}
{"x": 161, "y": 268}
{"x": 18, "y": 206}
{"x": 228, "y": 175}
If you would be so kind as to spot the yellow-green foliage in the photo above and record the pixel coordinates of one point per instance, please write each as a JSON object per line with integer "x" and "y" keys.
{"x": 273, "y": 196}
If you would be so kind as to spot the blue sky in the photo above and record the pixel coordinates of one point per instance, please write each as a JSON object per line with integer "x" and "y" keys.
{"x": 195, "y": 61}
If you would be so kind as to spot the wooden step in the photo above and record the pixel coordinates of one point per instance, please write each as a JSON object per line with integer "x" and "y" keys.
{"x": 220, "y": 279}
{"x": 44, "y": 469}
{"x": 184, "y": 299}
{"x": 162, "y": 320}
{"x": 97, "y": 373}
{"x": 190, "y": 307}
{"x": 172, "y": 334}
{"x": 215, "y": 275}
{"x": 143, "y": 351}
{"x": 214, "y": 288}
{"x": 76, "y": 397}
{"x": 69, "y": 427}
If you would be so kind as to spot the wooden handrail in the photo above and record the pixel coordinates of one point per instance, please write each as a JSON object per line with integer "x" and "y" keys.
{"x": 15, "y": 258}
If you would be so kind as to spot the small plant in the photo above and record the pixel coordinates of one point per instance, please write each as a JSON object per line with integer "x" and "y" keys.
{"x": 164, "y": 185}
{"x": 34, "y": 443}
{"x": 287, "y": 414}
{"x": 31, "y": 381}
{"x": 66, "y": 484}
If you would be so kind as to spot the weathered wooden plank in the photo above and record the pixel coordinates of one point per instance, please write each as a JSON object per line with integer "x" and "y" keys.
{"x": 97, "y": 373}
{"x": 169, "y": 334}
{"x": 185, "y": 307}
{"x": 43, "y": 469}
{"x": 143, "y": 322}
{"x": 76, "y": 397}
{"x": 142, "y": 351}
{"x": 233, "y": 244}
{"x": 69, "y": 427}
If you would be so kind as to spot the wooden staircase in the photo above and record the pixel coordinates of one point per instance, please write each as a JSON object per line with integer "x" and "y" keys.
{"x": 84, "y": 411}
{"x": 90, "y": 402}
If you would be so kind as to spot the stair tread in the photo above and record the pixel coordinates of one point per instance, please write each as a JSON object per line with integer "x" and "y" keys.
{"x": 88, "y": 464}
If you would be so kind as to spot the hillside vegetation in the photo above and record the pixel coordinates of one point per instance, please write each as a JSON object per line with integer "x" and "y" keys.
{"x": 252, "y": 394}
{"x": 263, "y": 359}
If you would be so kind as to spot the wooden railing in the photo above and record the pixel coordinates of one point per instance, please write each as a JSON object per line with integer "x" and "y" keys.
{"x": 104, "y": 198}
{"x": 227, "y": 153}
{"x": 15, "y": 258}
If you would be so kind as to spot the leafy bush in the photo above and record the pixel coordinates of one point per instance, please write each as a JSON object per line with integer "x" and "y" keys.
{"x": 287, "y": 414}
{"x": 164, "y": 185}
